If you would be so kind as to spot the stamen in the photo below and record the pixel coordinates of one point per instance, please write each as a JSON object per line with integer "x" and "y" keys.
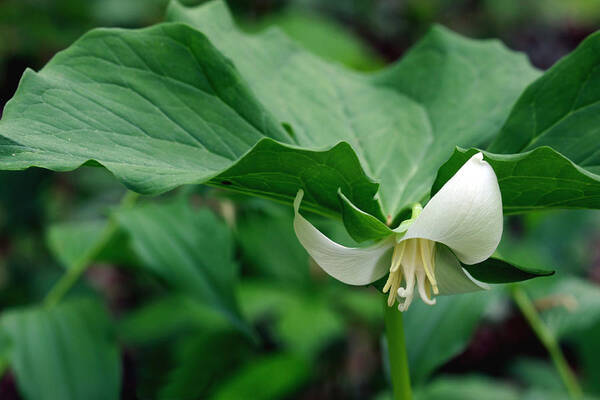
{"x": 427, "y": 264}
{"x": 395, "y": 277}
{"x": 392, "y": 283}
{"x": 397, "y": 257}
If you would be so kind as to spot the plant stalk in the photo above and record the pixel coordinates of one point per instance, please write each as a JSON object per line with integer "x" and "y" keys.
{"x": 394, "y": 332}
{"x": 70, "y": 277}
{"x": 548, "y": 340}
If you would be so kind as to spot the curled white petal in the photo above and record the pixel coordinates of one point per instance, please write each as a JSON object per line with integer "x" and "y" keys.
{"x": 452, "y": 277}
{"x": 354, "y": 266}
{"x": 466, "y": 214}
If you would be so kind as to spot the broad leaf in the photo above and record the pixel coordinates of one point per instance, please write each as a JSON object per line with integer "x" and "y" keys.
{"x": 191, "y": 250}
{"x": 560, "y": 110}
{"x": 535, "y": 180}
{"x": 402, "y": 122}
{"x": 65, "y": 352}
{"x": 175, "y": 113}
{"x": 277, "y": 171}
{"x": 163, "y": 106}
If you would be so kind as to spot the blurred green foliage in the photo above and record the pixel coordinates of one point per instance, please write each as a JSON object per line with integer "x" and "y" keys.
{"x": 312, "y": 337}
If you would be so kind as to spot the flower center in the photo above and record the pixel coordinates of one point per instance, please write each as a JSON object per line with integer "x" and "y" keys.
{"x": 413, "y": 262}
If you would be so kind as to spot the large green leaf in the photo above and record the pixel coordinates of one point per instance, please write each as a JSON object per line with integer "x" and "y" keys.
{"x": 560, "y": 110}
{"x": 176, "y": 112}
{"x": 132, "y": 110}
{"x": 191, "y": 250}
{"x": 402, "y": 122}
{"x": 65, "y": 352}
{"x": 162, "y": 106}
{"x": 277, "y": 171}
{"x": 535, "y": 180}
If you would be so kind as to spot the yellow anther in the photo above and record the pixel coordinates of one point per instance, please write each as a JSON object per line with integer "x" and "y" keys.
{"x": 395, "y": 277}
{"x": 397, "y": 256}
{"x": 427, "y": 260}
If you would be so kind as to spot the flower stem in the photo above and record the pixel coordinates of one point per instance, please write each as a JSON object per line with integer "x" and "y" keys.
{"x": 69, "y": 278}
{"x": 394, "y": 332}
{"x": 548, "y": 340}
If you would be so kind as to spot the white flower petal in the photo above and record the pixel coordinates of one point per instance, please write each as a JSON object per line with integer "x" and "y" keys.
{"x": 354, "y": 266}
{"x": 451, "y": 276}
{"x": 466, "y": 214}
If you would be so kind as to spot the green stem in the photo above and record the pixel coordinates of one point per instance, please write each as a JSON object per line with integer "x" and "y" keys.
{"x": 548, "y": 340}
{"x": 78, "y": 268}
{"x": 394, "y": 332}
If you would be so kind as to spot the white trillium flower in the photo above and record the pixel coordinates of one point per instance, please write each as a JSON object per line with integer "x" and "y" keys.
{"x": 461, "y": 223}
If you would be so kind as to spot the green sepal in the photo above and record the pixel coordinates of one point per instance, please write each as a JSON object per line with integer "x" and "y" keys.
{"x": 495, "y": 270}
{"x": 361, "y": 226}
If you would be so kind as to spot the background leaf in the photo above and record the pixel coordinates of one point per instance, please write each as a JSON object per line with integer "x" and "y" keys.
{"x": 279, "y": 374}
{"x": 66, "y": 352}
{"x": 324, "y": 37}
{"x": 433, "y": 335}
{"x": 191, "y": 250}
{"x": 467, "y": 388}
{"x": 274, "y": 252}
{"x": 291, "y": 309}
{"x": 165, "y": 317}
{"x": 69, "y": 241}
{"x": 201, "y": 361}
{"x": 569, "y": 306}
